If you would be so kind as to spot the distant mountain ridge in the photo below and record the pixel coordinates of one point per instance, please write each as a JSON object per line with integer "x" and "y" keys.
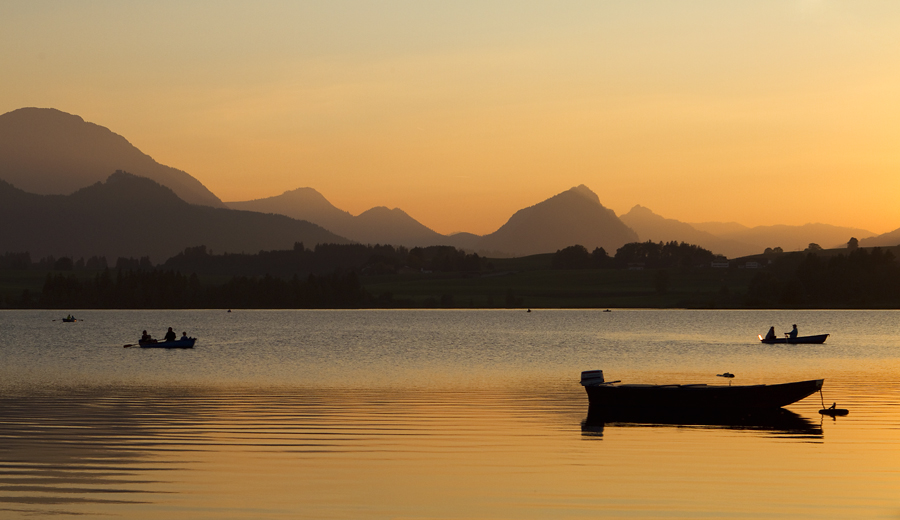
{"x": 378, "y": 225}
{"x": 656, "y": 228}
{"x": 889, "y": 239}
{"x": 133, "y": 216}
{"x": 572, "y": 217}
{"x": 49, "y": 152}
{"x": 789, "y": 238}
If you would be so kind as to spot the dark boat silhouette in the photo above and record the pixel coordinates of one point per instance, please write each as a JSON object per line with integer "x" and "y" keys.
{"x": 179, "y": 343}
{"x": 692, "y": 398}
{"x": 818, "y": 338}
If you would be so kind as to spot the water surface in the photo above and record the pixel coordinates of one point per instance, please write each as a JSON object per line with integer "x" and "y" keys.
{"x": 435, "y": 414}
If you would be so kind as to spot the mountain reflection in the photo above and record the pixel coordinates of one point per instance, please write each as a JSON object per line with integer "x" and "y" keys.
{"x": 780, "y": 422}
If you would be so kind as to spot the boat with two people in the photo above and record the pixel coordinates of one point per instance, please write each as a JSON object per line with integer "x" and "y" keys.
{"x": 791, "y": 337}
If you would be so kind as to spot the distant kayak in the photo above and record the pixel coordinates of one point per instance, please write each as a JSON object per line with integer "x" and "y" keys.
{"x": 69, "y": 320}
{"x": 181, "y": 343}
{"x": 820, "y": 338}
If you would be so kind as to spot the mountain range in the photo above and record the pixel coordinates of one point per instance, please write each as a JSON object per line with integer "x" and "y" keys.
{"x": 575, "y": 216}
{"x": 734, "y": 240}
{"x": 55, "y": 164}
{"x": 378, "y": 225}
{"x": 133, "y": 216}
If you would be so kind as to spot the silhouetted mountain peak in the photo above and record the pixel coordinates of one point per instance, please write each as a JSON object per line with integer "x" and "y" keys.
{"x": 574, "y": 216}
{"x": 641, "y": 211}
{"x": 124, "y": 188}
{"x": 48, "y": 151}
{"x": 586, "y": 192}
{"x": 385, "y": 212}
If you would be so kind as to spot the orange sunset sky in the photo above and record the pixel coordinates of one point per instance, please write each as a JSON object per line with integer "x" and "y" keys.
{"x": 460, "y": 113}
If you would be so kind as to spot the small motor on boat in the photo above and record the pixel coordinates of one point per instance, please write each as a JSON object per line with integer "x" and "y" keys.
{"x": 591, "y": 377}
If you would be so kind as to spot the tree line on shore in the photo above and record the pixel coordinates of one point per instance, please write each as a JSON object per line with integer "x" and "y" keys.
{"x": 863, "y": 278}
{"x": 649, "y": 255}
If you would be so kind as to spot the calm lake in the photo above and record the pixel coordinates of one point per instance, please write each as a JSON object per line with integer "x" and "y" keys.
{"x": 436, "y": 414}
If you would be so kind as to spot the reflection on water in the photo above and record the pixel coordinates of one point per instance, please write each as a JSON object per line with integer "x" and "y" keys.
{"x": 780, "y": 422}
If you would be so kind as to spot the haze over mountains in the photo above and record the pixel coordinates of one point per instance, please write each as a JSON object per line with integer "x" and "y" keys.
{"x": 734, "y": 240}
{"x": 49, "y": 153}
{"x": 650, "y": 226}
{"x": 789, "y": 238}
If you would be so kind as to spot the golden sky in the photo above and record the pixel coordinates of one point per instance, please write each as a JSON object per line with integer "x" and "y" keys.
{"x": 460, "y": 113}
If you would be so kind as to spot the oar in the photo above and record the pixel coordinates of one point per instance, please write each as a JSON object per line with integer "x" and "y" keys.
{"x": 128, "y": 345}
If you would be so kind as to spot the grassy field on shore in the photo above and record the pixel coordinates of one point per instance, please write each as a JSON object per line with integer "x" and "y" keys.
{"x": 588, "y": 288}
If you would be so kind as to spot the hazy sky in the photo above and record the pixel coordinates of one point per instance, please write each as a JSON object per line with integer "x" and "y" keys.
{"x": 461, "y": 112}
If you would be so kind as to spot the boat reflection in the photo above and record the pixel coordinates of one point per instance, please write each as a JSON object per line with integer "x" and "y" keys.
{"x": 781, "y": 422}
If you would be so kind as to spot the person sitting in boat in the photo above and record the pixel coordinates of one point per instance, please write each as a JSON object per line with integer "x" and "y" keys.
{"x": 145, "y": 336}
{"x": 184, "y": 336}
{"x": 793, "y": 333}
{"x": 771, "y": 334}
{"x": 170, "y": 336}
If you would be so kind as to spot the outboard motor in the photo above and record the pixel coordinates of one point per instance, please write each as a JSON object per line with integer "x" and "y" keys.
{"x": 591, "y": 377}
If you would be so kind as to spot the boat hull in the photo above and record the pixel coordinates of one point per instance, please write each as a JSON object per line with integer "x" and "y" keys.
{"x": 181, "y": 343}
{"x": 710, "y": 398}
{"x": 819, "y": 338}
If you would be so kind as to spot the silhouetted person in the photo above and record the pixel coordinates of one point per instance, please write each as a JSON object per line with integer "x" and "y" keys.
{"x": 170, "y": 336}
{"x": 771, "y": 333}
{"x": 184, "y": 335}
{"x": 793, "y": 333}
{"x": 145, "y": 336}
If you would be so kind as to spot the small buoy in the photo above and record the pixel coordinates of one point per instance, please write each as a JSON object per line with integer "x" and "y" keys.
{"x": 726, "y": 374}
{"x": 834, "y": 411}
{"x": 529, "y": 310}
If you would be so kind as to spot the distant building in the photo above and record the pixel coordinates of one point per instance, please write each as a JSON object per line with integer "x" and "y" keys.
{"x": 636, "y": 266}
{"x": 719, "y": 265}
{"x": 752, "y": 265}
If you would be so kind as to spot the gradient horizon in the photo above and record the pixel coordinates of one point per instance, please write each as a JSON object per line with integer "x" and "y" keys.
{"x": 461, "y": 114}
